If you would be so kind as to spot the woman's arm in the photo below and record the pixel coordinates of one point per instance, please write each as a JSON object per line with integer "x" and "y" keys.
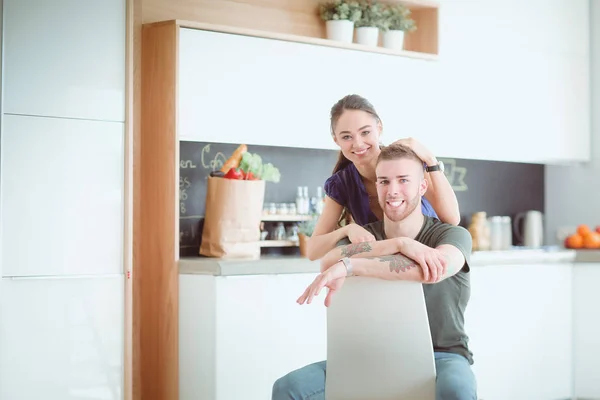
{"x": 439, "y": 191}
{"x": 441, "y": 195}
{"x": 325, "y": 235}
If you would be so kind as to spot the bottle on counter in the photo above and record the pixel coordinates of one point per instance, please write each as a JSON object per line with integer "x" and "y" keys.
{"x": 299, "y": 201}
{"x": 306, "y": 200}
{"x": 480, "y": 231}
{"x": 320, "y": 201}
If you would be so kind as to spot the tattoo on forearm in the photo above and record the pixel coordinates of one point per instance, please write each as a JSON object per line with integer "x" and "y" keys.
{"x": 398, "y": 263}
{"x": 355, "y": 248}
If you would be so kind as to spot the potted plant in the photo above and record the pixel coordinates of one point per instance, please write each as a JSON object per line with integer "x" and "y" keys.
{"x": 396, "y": 22}
{"x": 371, "y": 20}
{"x": 305, "y": 230}
{"x": 340, "y": 16}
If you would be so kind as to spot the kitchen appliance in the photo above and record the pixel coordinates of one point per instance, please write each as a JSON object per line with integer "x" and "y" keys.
{"x": 529, "y": 228}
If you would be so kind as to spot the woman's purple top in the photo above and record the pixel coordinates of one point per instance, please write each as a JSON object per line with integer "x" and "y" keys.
{"x": 347, "y": 189}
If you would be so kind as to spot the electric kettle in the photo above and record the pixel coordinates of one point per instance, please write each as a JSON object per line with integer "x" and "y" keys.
{"x": 529, "y": 228}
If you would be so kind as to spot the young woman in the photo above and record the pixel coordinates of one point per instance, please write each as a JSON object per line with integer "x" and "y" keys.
{"x": 351, "y": 191}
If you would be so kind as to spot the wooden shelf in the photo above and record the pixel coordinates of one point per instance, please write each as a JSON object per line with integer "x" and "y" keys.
{"x": 278, "y": 243}
{"x": 285, "y": 218}
{"x": 293, "y": 20}
{"x": 312, "y": 40}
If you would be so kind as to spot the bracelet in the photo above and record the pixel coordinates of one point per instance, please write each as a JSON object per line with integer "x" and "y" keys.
{"x": 348, "y": 265}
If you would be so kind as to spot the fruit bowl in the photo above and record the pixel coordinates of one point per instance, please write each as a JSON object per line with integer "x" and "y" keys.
{"x": 584, "y": 239}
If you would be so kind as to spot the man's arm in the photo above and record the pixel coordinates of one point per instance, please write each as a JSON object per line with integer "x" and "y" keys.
{"x": 362, "y": 250}
{"x": 400, "y": 267}
{"x": 389, "y": 259}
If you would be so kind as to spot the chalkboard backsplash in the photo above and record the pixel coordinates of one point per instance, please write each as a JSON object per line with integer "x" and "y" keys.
{"x": 499, "y": 188}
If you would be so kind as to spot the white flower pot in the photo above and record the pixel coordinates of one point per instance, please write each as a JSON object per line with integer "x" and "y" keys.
{"x": 340, "y": 30}
{"x": 393, "y": 40}
{"x": 367, "y": 35}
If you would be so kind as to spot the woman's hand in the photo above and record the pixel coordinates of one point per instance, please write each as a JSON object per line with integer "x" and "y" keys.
{"x": 358, "y": 234}
{"x": 422, "y": 152}
{"x": 432, "y": 261}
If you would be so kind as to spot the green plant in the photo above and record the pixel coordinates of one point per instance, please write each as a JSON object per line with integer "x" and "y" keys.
{"x": 397, "y": 17}
{"x": 373, "y": 14}
{"x": 307, "y": 227}
{"x": 340, "y": 10}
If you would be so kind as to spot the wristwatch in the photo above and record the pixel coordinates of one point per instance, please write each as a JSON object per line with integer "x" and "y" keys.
{"x": 348, "y": 265}
{"x": 438, "y": 167}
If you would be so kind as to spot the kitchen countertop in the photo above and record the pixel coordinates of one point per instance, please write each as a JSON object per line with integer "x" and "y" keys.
{"x": 297, "y": 265}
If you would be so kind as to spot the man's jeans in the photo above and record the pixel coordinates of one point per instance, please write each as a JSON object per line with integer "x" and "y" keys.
{"x": 454, "y": 381}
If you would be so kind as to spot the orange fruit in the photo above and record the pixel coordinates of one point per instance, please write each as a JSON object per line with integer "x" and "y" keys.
{"x": 574, "y": 241}
{"x": 591, "y": 240}
{"x": 583, "y": 229}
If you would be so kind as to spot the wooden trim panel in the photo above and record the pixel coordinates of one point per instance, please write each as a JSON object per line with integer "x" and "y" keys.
{"x": 132, "y": 186}
{"x": 155, "y": 277}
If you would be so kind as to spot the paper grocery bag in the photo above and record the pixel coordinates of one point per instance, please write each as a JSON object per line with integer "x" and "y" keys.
{"x": 232, "y": 218}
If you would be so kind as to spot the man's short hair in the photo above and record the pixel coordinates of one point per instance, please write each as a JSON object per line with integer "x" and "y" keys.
{"x": 397, "y": 152}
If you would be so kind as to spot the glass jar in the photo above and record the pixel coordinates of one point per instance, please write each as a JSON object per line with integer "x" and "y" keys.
{"x": 279, "y": 232}
{"x": 292, "y": 209}
{"x": 282, "y": 209}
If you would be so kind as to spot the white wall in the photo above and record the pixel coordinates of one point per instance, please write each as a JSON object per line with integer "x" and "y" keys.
{"x": 572, "y": 192}
{"x": 62, "y": 199}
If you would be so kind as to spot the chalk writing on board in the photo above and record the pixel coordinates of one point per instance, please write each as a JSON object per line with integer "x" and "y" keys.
{"x": 214, "y": 164}
{"x": 185, "y": 164}
{"x": 184, "y": 185}
{"x": 456, "y": 175}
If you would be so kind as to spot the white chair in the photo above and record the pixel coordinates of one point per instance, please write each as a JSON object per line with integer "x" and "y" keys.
{"x": 379, "y": 343}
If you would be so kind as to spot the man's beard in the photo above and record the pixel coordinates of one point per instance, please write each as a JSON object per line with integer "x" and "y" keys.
{"x": 409, "y": 207}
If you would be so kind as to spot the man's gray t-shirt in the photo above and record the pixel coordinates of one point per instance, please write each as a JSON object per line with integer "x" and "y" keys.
{"x": 447, "y": 300}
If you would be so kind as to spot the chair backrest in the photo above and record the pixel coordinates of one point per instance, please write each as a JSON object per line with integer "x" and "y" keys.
{"x": 379, "y": 343}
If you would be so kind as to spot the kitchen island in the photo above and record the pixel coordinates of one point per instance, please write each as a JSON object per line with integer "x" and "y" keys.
{"x": 531, "y": 322}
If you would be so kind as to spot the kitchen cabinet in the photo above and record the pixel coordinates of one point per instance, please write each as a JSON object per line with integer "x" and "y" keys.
{"x": 494, "y": 102}
{"x": 519, "y": 320}
{"x": 513, "y": 81}
{"x": 586, "y": 331}
{"x": 62, "y": 196}
{"x": 61, "y": 338}
{"x": 283, "y": 95}
{"x": 238, "y": 334}
{"x": 66, "y": 59}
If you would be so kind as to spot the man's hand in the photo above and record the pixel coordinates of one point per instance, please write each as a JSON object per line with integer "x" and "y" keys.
{"x": 333, "y": 279}
{"x": 432, "y": 261}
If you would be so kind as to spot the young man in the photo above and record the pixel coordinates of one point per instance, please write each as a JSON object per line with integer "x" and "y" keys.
{"x": 408, "y": 246}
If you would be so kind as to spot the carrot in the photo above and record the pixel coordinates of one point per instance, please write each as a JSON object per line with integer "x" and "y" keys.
{"x": 234, "y": 160}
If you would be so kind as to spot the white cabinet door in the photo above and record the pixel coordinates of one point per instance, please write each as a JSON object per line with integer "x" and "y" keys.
{"x": 258, "y": 326}
{"x": 62, "y": 196}
{"x": 239, "y": 334}
{"x": 240, "y": 89}
{"x": 65, "y": 58}
{"x": 515, "y": 86}
{"x": 61, "y": 338}
{"x": 519, "y": 323}
{"x": 586, "y": 309}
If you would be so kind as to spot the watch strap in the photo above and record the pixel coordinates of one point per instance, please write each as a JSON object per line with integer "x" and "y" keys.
{"x": 433, "y": 168}
{"x": 348, "y": 264}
